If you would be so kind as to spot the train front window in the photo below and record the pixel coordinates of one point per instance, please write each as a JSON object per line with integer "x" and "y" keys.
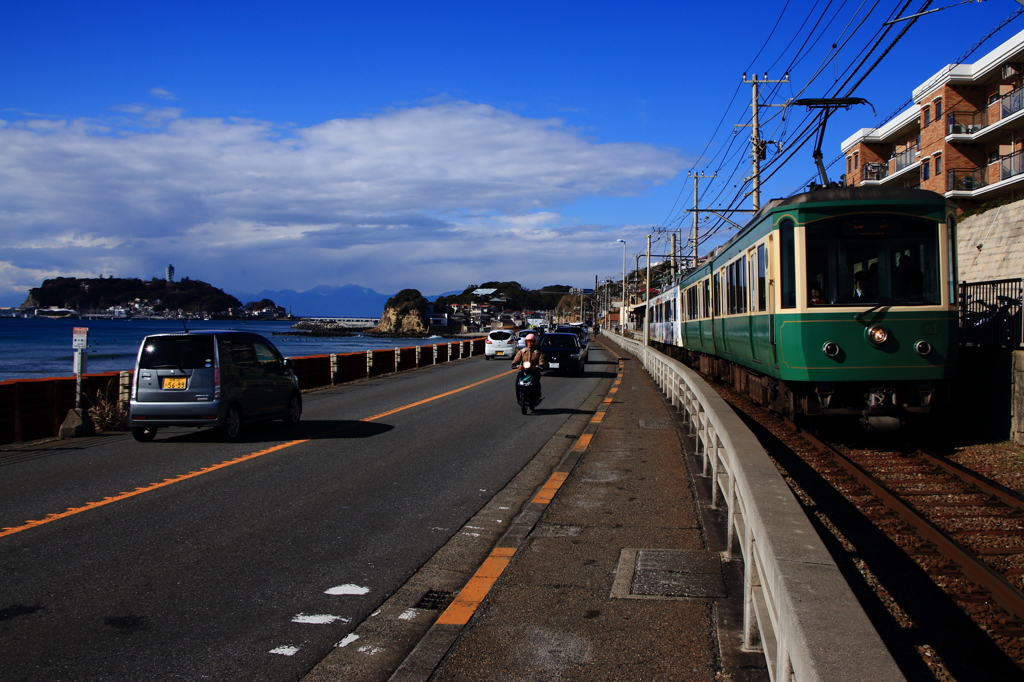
{"x": 872, "y": 260}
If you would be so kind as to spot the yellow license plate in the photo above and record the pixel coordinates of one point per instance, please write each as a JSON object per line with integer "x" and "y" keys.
{"x": 499, "y": 352}
{"x": 174, "y": 382}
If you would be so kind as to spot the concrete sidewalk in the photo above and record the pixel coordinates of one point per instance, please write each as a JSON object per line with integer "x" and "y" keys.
{"x": 617, "y": 577}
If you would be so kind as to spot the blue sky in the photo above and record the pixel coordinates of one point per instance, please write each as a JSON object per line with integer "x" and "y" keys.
{"x": 270, "y": 145}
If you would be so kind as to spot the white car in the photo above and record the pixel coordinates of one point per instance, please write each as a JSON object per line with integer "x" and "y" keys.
{"x": 501, "y": 343}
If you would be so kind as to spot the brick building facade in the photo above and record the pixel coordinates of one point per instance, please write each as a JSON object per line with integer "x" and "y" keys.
{"x": 963, "y": 137}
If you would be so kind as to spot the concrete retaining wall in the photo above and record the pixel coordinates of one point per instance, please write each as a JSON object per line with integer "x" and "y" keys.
{"x": 990, "y": 243}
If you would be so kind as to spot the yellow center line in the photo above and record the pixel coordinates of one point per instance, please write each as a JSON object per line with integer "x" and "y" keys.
{"x": 598, "y": 417}
{"x": 215, "y": 467}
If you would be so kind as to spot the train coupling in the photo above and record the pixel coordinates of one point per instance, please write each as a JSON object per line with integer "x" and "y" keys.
{"x": 881, "y": 411}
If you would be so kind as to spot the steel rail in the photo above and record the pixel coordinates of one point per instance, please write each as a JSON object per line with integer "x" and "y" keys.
{"x": 973, "y": 568}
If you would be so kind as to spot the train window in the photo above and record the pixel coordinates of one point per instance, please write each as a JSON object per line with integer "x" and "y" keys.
{"x": 707, "y": 299}
{"x": 953, "y": 267}
{"x": 717, "y": 297}
{"x": 787, "y": 264}
{"x": 736, "y": 286}
{"x": 872, "y": 259}
{"x": 762, "y": 270}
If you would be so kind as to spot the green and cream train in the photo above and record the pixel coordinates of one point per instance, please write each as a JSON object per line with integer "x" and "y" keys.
{"x": 837, "y": 301}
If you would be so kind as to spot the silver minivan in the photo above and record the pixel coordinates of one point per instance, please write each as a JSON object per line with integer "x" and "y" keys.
{"x": 211, "y": 378}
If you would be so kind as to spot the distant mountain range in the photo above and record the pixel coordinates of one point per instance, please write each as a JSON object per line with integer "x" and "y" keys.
{"x": 349, "y": 300}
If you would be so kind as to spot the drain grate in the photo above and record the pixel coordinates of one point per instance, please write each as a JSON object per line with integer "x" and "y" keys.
{"x": 669, "y": 574}
{"x": 657, "y": 424}
{"x": 434, "y": 600}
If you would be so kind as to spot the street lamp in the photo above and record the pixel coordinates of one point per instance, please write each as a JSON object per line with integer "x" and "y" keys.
{"x": 622, "y": 308}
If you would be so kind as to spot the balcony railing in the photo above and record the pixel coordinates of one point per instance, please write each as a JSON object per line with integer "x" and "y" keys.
{"x": 1011, "y": 165}
{"x": 966, "y": 122}
{"x": 965, "y": 179}
{"x": 874, "y": 171}
{"x": 906, "y": 158}
{"x": 1011, "y": 103}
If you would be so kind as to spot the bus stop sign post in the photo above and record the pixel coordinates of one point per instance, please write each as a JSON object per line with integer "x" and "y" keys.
{"x": 79, "y": 341}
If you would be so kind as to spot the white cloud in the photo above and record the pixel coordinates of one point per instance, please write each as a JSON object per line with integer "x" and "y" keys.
{"x": 161, "y": 93}
{"x": 445, "y": 193}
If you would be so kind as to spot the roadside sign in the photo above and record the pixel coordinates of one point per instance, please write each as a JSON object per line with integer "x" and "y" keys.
{"x": 80, "y": 337}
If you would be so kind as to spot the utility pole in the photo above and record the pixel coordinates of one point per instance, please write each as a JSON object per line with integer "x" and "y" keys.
{"x": 696, "y": 212}
{"x": 758, "y": 147}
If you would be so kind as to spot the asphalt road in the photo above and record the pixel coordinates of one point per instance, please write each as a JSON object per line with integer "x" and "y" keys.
{"x": 189, "y": 559}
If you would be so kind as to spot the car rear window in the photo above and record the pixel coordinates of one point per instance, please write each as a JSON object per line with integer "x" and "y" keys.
{"x": 558, "y": 341}
{"x": 177, "y": 352}
{"x": 500, "y": 336}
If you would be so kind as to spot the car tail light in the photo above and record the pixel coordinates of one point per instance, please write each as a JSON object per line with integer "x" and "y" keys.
{"x": 489, "y": 340}
{"x": 216, "y": 383}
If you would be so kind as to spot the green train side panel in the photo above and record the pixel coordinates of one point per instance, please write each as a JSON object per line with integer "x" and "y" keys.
{"x": 801, "y": 338}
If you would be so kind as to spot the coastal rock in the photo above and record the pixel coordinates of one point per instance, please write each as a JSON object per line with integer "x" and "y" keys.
{"x": 404, "y": 315}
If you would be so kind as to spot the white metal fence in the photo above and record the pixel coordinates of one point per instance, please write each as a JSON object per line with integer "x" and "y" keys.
{"x": 798, "y": 609}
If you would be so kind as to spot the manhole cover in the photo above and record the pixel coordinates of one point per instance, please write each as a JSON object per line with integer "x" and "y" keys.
{"x": 657, "y": 424}
{"x": 669, "y": 574}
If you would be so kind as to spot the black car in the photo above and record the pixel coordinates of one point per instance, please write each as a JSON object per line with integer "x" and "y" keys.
{"x": 579, "y": 331}
{"x": 564, "y": 352}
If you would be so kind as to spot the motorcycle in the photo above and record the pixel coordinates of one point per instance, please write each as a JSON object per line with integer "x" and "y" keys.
{"x": 526, "y": 387}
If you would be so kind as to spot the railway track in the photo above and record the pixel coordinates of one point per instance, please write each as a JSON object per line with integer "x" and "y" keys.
{"x": 934, "y": 550}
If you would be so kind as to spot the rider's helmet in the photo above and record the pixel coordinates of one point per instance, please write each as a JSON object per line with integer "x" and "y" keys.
{"x": 530, "y": 337}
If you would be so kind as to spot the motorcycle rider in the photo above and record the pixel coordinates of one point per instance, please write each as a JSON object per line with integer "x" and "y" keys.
{"x": 533, "y": 356}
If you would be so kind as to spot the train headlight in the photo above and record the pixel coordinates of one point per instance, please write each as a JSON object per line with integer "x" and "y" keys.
{"x": 923, "y": 347}
{"x": 831, "y": 349}
{"x": 878, "y": 335}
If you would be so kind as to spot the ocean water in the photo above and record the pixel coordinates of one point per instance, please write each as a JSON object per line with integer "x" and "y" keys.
{"x": 37, "y": 347}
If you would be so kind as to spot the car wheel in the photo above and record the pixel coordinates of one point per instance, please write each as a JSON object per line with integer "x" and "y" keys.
{"x": 144, "y": 434}
{"x": 291, "y": 418}
{"x": 487, "y": 357}
{"x": 233, "y": 423}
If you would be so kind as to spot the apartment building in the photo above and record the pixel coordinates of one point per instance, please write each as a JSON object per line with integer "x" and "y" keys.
{"x": 963, "y": 137}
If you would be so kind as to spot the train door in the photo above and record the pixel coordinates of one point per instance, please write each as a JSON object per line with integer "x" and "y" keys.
{"x": 752, "y": 316}
{"x": 771, "y": 299}
{"x": 761, "y": 323}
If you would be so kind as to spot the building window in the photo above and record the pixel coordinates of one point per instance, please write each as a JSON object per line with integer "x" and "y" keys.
{"x": 938, "y": 164}
{"x": 856, "y": 161}
{"x": 993, "y": 156}
{"x": 938, "y": 111}
{"x": 849, "y": 164}
{"x": 927, "y": 116}
{"x": 925, "y": 170}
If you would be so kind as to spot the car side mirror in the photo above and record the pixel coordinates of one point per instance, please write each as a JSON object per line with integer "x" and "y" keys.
{"x": 288, "y": 364}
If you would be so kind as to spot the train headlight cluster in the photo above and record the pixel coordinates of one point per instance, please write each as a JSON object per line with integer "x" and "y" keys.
{"x": 878, "y": 334}
{"x": 923, "y": 347}
{"x": 831, "y": 349}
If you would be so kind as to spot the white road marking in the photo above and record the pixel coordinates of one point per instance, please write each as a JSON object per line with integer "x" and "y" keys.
{"x": 348, "y": 589}
{"x": 348, "y": 640}
{"x": 408, "y": 614}
{"x": 370, "y": 650}
{"x": 318, "y": 618}
{"x": 286, "y": 650}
